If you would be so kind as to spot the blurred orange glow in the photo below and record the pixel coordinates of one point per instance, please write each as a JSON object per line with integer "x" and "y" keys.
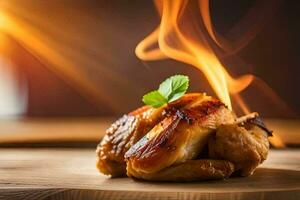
{"x": 185, "y": 33}
{"x": 34, "y": 44}
{"x": 63, "y": 46}
{"x": 276, "y": 141}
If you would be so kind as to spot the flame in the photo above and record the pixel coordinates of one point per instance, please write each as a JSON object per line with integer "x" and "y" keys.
{"x": 181, "y": 37}
{"x": 190, "y": 39}
{"x": 66, "y": 54}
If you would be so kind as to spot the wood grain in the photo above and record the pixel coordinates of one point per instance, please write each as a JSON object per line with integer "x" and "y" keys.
{"x": 71, "y": 174}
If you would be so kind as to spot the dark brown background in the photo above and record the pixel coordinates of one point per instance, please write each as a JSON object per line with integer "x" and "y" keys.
{"x": 116, "y": 28}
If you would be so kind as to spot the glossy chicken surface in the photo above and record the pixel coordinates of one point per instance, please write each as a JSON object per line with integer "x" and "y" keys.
{"x": 178, "y": 138}
{"x": 127, "y": 131}
{"x": 194, "y": 138}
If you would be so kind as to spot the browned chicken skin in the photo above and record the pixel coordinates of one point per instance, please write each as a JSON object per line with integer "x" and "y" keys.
{"x": 191, "y": 170}
{"x": 166, "y": 144}
{"x": 245, "y": 145}
{"x": 177, "y": 139}
{"x": 127, "y": 131}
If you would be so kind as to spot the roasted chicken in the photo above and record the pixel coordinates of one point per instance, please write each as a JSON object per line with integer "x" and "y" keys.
{"x": 129, "y": 129}
{"x": 194, "y": 138}
{"x": 178, "y": 138}
{"x": 246, "y": 145}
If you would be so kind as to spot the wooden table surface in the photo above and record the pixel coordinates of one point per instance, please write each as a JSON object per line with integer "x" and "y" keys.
{"x": 51, "y": 173}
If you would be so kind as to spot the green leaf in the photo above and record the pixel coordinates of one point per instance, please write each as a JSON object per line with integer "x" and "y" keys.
{"x": 170, "y": 90}
{"x": 180, "y": 85}
{"x": 155, "y": 99}
{"x": 165, "y": 88}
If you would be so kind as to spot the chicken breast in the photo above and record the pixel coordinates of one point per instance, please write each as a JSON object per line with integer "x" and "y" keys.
{"x": 179, "y": 138}
{"x": 129, "y": 129}
{"x": 246, "y": 145}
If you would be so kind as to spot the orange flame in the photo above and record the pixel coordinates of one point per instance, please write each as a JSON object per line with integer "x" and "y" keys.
{"x": 184, "y": 39}
{"x": 62, "y": 53}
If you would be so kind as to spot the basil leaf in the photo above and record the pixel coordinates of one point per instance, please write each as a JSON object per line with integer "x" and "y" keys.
{"x": 165, "y": 88}
{"x": 154, "y": 99}
{"x": 170, "y": 90}
{"x": 180, "y": 85}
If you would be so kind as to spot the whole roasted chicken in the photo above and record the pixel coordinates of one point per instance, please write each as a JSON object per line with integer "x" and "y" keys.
{"x": 195, "y": 137}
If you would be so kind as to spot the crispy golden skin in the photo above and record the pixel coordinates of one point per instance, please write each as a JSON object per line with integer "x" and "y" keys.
{"x": 119, "y": 138}
{"x": 245, "y": 145}
{"x": 127, "y": 131}
{"x": 179, "y": 138}
{"x": 166, "y": 144}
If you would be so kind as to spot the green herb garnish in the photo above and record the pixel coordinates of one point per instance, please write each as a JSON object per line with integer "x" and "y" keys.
{"x": 170, "y": 90}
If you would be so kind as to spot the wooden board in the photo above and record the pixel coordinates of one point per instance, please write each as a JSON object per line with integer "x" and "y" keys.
{"x": 71, "y": 174}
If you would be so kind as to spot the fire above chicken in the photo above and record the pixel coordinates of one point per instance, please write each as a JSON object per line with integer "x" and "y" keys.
{"x": 182, "y": 137}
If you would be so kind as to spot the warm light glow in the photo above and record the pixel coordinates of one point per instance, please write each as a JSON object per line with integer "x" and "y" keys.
{"x": 32, "y": 41}
{"x": 2, "y": 21}
{"x": 43, "y": 48}
{"x": 182, "y": 38}
{"x": 66, "y": 49}
{"x": 276, "y": 141}
{"x": 186, "y": 34}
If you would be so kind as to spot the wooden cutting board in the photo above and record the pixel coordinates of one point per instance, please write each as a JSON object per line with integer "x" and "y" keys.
{"x": 41, "y": 173}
